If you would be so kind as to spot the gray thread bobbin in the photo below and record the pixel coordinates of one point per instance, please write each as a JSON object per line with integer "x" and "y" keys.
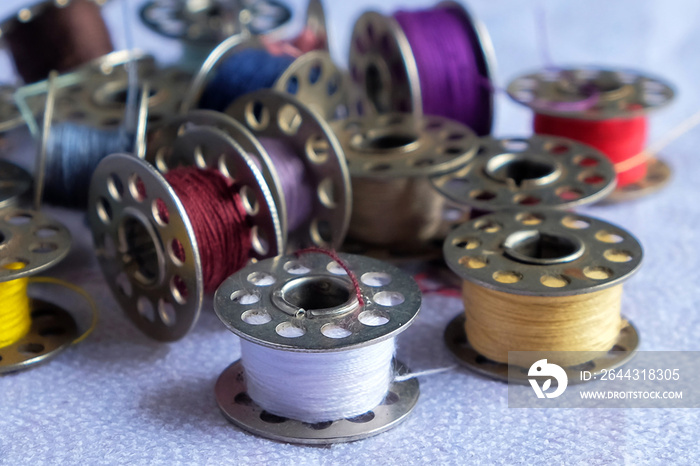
{"x": 272, "y": 114}
{"x": 542, "y": 171}
{"x": 621, "y": 94}
{"x": 38, "y": 242}
{"x": 159, "y": 290}
{"x": 294, "y": 303}
{"x": 540, "y": 253}
{"x": 383, "y": 65}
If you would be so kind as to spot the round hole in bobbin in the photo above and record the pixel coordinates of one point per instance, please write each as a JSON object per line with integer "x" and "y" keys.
{"x": 271, "y": 418}
{"x": 473, "y": 262}
{"x": 166, "y": 312}
{"x": 261, "y": 279}
{"x": 373, "y": 318}
{"x": 178, "y": 289}
{"x": 315, "y": 73}
{"x": 385, "y": 141}
{"x": 115, "y": 187}
{"x": 321, "y": 232}
{"x": 123, "y": 284}
{"x": 526, "y": 199}
{"x": 529, "y": 218}
{"x": 593, "y": 179}
{"x": 228, "y": 167}
{"x": 466, "y": 243}
{"x": 586, "y": 161}
{"x": 507, "y": 277}
{"x": 162, "y": 155}
{"x": 317, "y": 149}
{"x": 362, "y": 418}
{"x": 374, "y": 86}
{"x": 376, "y": 279}
{"x": 336, "y": 269}
{"x": 554, "y": 281}
{"x": 521, "y": 169}
{"x": 567, "y": 193}
{"x": 388, "y": 298}
{"x": 335, "y": 331}
{"x": 43, "y": 248}
{"x": 256, "y": 317}
{"x": 245, "y": 297}
{"x": 293, "y": 85}
{"x": 48, "y": 231}
{"x": 13, "y": 263}
{"x": 31, "y": 348}
{"x": 606, "y": 236}
{"x": 141, "y": 254}
{"x": 296, "y": 268}
{"x": 160, "y": 212}
{"x": 250, "y": 200}
{"x": 575, "y": 223}
{"x": 618, "y": 255}
{"x": 333, "y": 85}
{"x": 597, "y": 272}
{"x": 257, "y": 115}
{"x": 515, "y": 145}
{"x": 318, "y": 425}
{"x": 557, "y": 148}
{"x": 542, "y": 248}
{"x": 137, "y": 188}
{"x": 327, "y": 193}
{"x": 482, "y": 195}
{"x": 199, "y": 160}
{"x": 176, "y": 251}
{"x": 289, "y": 119}
{"x": 104, "y": 210}
{"x": 259, "y": 240}
{"x": 290, "y": 330}
{"x": 19, "y": 219}
{"x": 488, "y": 226}
{"x": 145, "y": 309}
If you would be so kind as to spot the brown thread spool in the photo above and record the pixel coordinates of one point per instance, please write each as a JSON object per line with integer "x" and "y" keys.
{"x": 56, "y": 35}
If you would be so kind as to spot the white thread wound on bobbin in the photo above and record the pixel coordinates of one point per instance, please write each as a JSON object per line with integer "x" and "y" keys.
{"x": 317, "y": 387}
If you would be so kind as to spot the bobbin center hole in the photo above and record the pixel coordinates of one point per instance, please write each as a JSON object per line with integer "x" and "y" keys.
{"x": 605, "y": 86}
{"x": 542, "y": 248}
{"x": 142, "y": 251}
{"x": 315, "y": 296}
{"x": 522, "y": 170}
{"x": 384, "y": 141}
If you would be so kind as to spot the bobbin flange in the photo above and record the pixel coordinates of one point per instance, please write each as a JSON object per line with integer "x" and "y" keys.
{"x": 30, "y": 238}
{"x": 657, "y": 176}
{"x": 271, "y": 114}
{"x": 382, "y": 61}
{"x": 14, "y": 183}
{"x": 539, "y": 171}
{"x": 150, "y": 260}
{"x": 404, "y": 145}
{"x": 307, "y": 304}
{"x": 212, "y": 21}
{"x": 541, "y": 253}
{"x": 181, "y": 142}
{"x": 590, "y": 93}
{"x": 36, "y": 242}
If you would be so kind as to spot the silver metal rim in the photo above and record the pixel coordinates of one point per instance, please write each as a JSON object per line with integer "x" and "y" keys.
{"x": 30, "y": 238}
{"x": 208, "y": 147}
{"x": 624, "y": 93}
{"x": 170, "y": 19}
{"x": 52, "y": 331}
{"x": 166, "y": 306}
{"x": 566, "y": 174}
{"x": 426, "y": 145}
{"x": 285, "y": 118}
{"x": 456, "y": 340}
{"x": 237, "y": 407}
{"x": 586, "y": 254}
{"x": 314, "y": 79}
{"x": 14, "y": 183}
{"x": 378, "y": 42}
{"x": 658, "y": 175}
{"x": 392, "y": 301}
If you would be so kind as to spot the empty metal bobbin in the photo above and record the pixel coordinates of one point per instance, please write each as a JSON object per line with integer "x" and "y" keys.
{"x": 382, "y": 62}
{"x": 34, "y": 242}
{"x": 541, "y": 253}
{"x": 144, "y": 239}
{"x": 212, "y": 21}
{"x": 272, "y": 114}
{"x": 590, "y": 93}
{"x": 308, "y": 303}
{"x": 14, "y": 183}
{"x": 541, "y": 171}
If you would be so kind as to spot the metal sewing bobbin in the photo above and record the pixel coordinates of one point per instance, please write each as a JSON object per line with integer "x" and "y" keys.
{"x": 208, "y": 22}
{"x": 137, "y": 248}
{"x": 620, "y": 94}
{"x": 276, "y": 115}
{"x": 541, "y": 253}
{"x": 292, "y": 303}
{"x": 383, "y": 65}
{"x": 396, "y": 154}
{"x": 37, "y": 242}
{"x": 542, "y": 171}
{"x": 312, "y": 78}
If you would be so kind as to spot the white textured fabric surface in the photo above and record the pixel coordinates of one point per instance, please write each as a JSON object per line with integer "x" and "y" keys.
{"x": 120, "y": 397}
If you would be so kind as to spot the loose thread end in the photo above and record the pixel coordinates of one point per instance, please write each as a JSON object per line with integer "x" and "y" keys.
{"x": 334, "y": 255}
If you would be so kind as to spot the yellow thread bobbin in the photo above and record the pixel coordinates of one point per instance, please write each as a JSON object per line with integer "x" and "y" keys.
{"x": 541, "y": 281}
{"x": 31, "y": 331}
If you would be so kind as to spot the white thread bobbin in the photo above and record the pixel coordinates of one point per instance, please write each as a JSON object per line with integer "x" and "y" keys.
{"x": 316, "y": 363}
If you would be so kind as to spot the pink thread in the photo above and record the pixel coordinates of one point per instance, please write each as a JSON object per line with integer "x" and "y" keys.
{"x": 334, "y": 255}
